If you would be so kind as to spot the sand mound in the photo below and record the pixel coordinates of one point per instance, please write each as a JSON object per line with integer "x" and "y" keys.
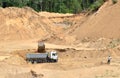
{"x": 16, "y": 60}
{"x": 104, "y": 23}
{"x": 23, "y": 23}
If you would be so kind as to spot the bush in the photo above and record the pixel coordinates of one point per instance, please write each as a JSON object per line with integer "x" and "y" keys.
{"x": 114, "y": 1}
{"x": 96, "y": 5}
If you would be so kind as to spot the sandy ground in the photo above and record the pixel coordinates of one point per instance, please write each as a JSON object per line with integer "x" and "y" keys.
{"x": 103, "y": 23}
{"x": 83, "y": 43}
{"x": 72, "y": 63}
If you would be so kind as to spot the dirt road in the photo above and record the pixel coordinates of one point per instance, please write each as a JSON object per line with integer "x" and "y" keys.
{"x": 73, "y": 63}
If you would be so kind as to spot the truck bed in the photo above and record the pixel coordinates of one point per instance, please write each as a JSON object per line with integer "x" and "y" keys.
{"x": 36, "y": 55}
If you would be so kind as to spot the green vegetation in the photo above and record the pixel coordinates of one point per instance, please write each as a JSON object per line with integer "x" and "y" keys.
{"x": 95, "y": 6}
{"x": 114, "y": 1}
{"x": 61, "y": 6}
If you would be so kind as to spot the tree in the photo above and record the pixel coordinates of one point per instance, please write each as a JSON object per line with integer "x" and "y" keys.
{"x": 62, "y": 6}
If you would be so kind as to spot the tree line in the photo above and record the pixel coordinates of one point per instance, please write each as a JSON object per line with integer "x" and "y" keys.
{"x": 61, "y": 6}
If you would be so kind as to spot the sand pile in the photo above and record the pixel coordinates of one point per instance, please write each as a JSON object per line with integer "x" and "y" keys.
{"x": 16, "y": 60}
{"x": 23, "y": 23}
{"x": 104, "y": 23}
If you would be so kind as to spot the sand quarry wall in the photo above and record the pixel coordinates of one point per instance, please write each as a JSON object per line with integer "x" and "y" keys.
{"x": 104, "y": 23}
{"x": 23, "y": 23}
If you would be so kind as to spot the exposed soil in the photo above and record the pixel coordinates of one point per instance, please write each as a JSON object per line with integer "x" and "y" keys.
{"x": 104, "y": 23}
{"x": 83, "y": 43}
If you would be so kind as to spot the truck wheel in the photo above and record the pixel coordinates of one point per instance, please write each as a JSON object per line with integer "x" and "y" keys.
{"x": 55, "y": 60}
{"x": 32, "y": 62}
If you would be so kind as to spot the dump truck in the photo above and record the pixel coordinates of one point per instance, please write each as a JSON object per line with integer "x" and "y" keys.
{"x": 42, "y": 57}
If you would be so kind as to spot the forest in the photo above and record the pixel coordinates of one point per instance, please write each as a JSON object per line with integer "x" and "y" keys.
{"x": 60, "y": 6}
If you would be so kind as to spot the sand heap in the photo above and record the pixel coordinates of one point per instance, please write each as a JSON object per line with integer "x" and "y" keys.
{"x": 104, "y": 23}
{"x": 23, "y": 23}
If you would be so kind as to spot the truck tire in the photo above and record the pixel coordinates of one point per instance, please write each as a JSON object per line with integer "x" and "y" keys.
{"x": 32, "y": 62}
{"x": 55, "y": 60}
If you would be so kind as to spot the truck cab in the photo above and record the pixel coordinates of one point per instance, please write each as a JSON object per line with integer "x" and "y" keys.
{"x": 53, "y": 56}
